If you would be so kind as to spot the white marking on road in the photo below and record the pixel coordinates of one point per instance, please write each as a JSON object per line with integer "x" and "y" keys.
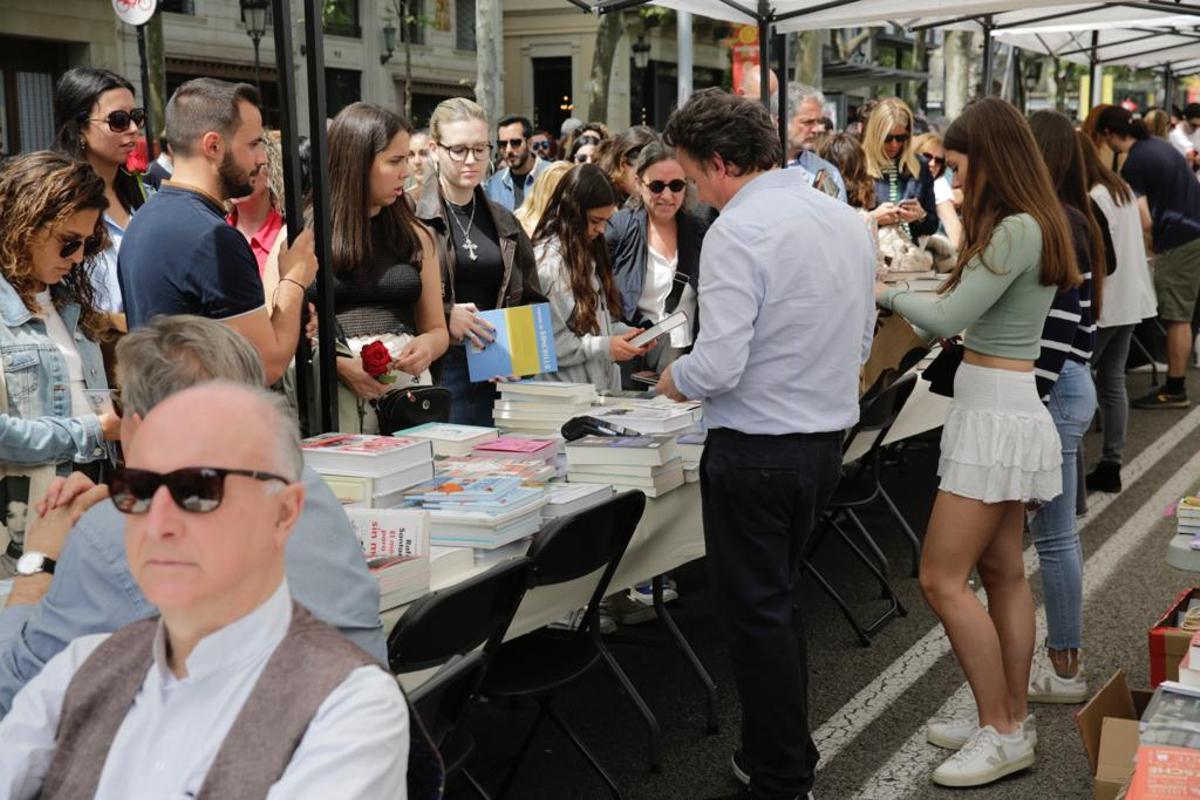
{"x": 873, "y": 700}
{"x": 910, "y": 766}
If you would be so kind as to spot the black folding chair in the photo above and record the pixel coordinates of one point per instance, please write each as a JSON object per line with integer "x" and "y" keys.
{"x": 443, "y": 627}
{"x": 860, "y": 487}
{"x": 539, "y": 664}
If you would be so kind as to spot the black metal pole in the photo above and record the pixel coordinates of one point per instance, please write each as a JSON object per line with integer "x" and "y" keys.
{"x": 764, "y": 52}
{"x": 257, "y": 66}
{"x": 987, "y": 56}
{"x": 293, "y": 198}
{"x": 146, "y": 104}
{"x": 314, "y": 37}
{"x": 781, "y": 52}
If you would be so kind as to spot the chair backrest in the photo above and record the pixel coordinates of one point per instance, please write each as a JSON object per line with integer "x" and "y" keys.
{"x": 582, "y": 543}
{"x": 911, "y": 359}
{"x": 441, "y": 702}
{"x": 458, "y": 619}
{"x": 880, "y": 411}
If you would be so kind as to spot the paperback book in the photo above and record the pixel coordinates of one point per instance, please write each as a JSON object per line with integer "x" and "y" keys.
{"x": 363, "y": 455}
{"x": 653, "y": 451}
{"x": 523, "y": 344}
{"x": 448, "y": 439}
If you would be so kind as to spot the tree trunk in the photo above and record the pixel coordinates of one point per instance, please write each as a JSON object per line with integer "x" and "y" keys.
{"x": 956, "y": 54}
{"x": 408, "y": 80}
{"x": 489, "y": 79}
{"x": 608, "y": 35}
{"x": 917, "y": 89}
{"x": 156, "y": 103}
{"x": 809, "y": 58}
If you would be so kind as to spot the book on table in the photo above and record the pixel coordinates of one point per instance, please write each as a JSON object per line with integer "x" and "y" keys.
{"x": 462, "y": 467}
{"x": 523, "y": 344}
{"x": 653, "y": 451}
{"x": 382, "y": 492}
{"x": 564, "y": 499}
{"x": 479, "y": 512}
{"x": 548, "y": 391}
{"x": 446, "y": 563}
{"x": 691, "y": 448}
{"x": 364, "y": 455}
{"x": 449, "y": 439}
{"x": 647, "y": 420}
{"x": 396, "y": 546}
{"x": 655, "y": 481}
{"x": 518, "y": 448}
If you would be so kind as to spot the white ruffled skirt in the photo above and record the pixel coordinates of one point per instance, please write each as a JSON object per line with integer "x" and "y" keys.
{"x": 999, "y": 442}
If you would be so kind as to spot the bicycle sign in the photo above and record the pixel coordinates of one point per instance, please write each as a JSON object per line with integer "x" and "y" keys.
{"x": 135, "y": 12}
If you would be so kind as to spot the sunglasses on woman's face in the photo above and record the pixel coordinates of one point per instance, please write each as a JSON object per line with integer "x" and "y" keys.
{"x": 582, "y": 158}
{"x": 590, "y": 139}
{"x": 657, "y": 187}
{"x": 118, "y": 121}
{"x": 899, "y": 138}
{"x": 936, "y": 159}
{"x": 71, "y": 246}
{"x": 199, "y": 490}
{"x": 632, "y": 156}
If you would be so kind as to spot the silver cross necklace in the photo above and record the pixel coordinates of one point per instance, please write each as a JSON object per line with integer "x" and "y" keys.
{"x": 467, "y": 244}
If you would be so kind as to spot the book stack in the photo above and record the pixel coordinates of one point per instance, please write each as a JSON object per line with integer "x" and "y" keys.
{"x": 565, "y": 499}
{"x": 369, "y": 471}
{"x": 450, "y": 440}
{"x": 484, "y": 512}
{"x": 395, "y": 543}
{"x": 648, "y": 419}
{"x": 1187, "y": 519}
{"x": 1172, "y": 718}
{"x": 691, "y": 449}
{"x": 649, "y": 463}
{"x": 519, "y": 448}
{"x": 531, "y": 472}
{"x": 541, "y": 407}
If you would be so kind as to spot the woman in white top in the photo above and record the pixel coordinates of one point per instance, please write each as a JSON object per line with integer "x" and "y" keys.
{"x": 930, "y": 146}
{"x": 97, "y": 120}
{"x": 572, "y": 265}
{"x": 54, "y": 413}
{"x": 1128, "y": 299}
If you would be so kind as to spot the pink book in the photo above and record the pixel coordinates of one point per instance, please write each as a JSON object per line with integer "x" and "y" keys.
{"x": 512, "y": 447}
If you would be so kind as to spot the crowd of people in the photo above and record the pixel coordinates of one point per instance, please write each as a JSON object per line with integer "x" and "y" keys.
{"x": 146, "y": 315}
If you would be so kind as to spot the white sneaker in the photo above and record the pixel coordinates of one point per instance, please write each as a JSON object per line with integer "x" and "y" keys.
{"x": 637, "y": 605}
{"x": 952, "y": 733}
{"x": 1047, "y": 686}
{"x": 986, "y": 757}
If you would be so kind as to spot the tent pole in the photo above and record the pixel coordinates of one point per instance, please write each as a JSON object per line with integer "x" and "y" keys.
{"x": 1168, "y": 84}
{"x": 684, "y": 43}
{"x": 987, "y": 56}
{"x": 1095, "y": 71}
{"x": 314, "y": 36}
{"x": 764, "y": 52}
{"x": 781, "y": 50}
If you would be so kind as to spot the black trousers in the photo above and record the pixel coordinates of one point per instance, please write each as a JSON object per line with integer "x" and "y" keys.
{"x": 762, "y": 497}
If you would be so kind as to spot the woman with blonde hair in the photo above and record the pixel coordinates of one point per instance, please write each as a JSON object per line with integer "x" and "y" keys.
{"x": 903, "y": 184}
{"x": 531, "y": 211}
{"x": 930, "y": 146}
{"x": 486, "y": 257}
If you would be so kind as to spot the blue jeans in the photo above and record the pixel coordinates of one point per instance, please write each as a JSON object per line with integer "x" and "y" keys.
{"x": 1054, "y": 527}
{"x": 470, "y": 403}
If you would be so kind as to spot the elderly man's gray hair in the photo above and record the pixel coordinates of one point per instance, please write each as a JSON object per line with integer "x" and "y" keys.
{"x": 174, "y": 353}
{"x": 277, "y": 418}
{"x": 799, "y": 93}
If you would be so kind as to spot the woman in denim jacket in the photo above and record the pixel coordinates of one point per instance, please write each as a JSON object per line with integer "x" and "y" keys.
{"x": 54, "y": 375}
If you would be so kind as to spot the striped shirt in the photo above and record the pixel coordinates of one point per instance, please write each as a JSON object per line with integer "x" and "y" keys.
{"x": 1070, "y": 327}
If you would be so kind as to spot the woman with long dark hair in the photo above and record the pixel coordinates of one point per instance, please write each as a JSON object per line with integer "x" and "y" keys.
{"x": 654, "y": 245}
{"x": 572, "y": 262}
{"x": 999, "y": 446}
{"x": 97, "y": 119}
{"x": 486, "y": 258}
{"x": 1065, "y": 383}
{"x": 387, "y": 281}
{"x": 621, "y": 157}
{"x": 54, "y": 376}
{"x": 1129, "y": 299}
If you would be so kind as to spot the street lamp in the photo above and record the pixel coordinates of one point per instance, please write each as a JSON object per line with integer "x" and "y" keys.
{"x": 254, "y": 17}
{"x": 1032, "y": 78}
{"x": 641, "y": 52}
{"x": 389, "y": 43}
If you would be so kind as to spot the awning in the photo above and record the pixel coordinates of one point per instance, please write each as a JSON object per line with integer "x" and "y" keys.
{"x": 841, "y": 76}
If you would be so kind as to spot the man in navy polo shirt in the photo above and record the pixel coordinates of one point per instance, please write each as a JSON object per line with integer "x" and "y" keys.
{"x": 179, "y": 256}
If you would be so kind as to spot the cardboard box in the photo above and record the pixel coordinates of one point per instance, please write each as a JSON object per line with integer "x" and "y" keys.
{"x": 1165, "y": 772}
{"x": 1168, "y": 642}
{"x": 1108, "y": 725}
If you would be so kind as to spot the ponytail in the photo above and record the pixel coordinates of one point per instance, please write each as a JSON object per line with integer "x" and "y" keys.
{"x": 1120, "y": 121}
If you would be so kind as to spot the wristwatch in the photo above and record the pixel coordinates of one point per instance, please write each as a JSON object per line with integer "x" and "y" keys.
{"x": 34, "y": 562}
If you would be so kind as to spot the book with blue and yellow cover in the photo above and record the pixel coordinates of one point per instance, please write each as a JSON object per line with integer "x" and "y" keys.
{"x": 524, "y": 344}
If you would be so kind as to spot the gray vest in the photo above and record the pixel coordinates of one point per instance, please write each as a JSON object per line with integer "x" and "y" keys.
{"x": 312, "y": 660}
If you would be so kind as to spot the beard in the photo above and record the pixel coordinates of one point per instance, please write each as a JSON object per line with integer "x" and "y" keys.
{"x": 235, "y": 182}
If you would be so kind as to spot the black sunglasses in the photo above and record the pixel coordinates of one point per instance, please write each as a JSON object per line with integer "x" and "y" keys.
{"x": 590, "y": 138}
{"x": 936, "y": 159}
{"x": 118, "y": 121}
{"x": 632, "y": 156}
{"x": 900, "y": 138}
{"x": 582, "y": 158}
{"x": 676, "y": 186}
{"x": 513, "y": 143}
{"x": 541, "y": 144}
{"x": 70, "y": 247}
{"x": 195, "y": 489}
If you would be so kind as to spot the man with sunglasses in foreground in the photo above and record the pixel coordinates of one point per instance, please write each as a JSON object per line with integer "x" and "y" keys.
{"x": 521, "y": 164}
{"x": 236, "y": 690}
{"x": 77, "y": 578}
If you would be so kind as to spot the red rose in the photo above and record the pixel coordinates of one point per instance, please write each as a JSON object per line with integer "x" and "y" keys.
{"x": 376, "y": 359}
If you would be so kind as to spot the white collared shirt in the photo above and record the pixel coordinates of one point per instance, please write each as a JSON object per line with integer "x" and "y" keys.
{"x": 355, "y": 747}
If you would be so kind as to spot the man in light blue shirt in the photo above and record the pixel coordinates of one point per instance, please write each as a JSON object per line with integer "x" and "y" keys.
{"x": 806, "y": 110}
{"x": 787, "y": 303}
{"x": 92, "y": 589}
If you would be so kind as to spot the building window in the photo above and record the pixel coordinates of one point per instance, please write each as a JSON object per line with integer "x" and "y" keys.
{"x": 342, "y": 87}
{"x": 464, "y": 25}
{"x": 179, "y": 6}
{"x": 552, "y": 92}
{"x": 414, "y": 12}
{"x": 35, "y": 98}
{"x": 341, "y": 18}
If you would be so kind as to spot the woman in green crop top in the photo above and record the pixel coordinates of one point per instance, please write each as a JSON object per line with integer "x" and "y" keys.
{"x": 1000, "y": 449}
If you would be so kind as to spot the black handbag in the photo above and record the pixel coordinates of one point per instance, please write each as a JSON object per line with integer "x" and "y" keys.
{"x": 408, "y": 408}
{"x": 940, "y": 372}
